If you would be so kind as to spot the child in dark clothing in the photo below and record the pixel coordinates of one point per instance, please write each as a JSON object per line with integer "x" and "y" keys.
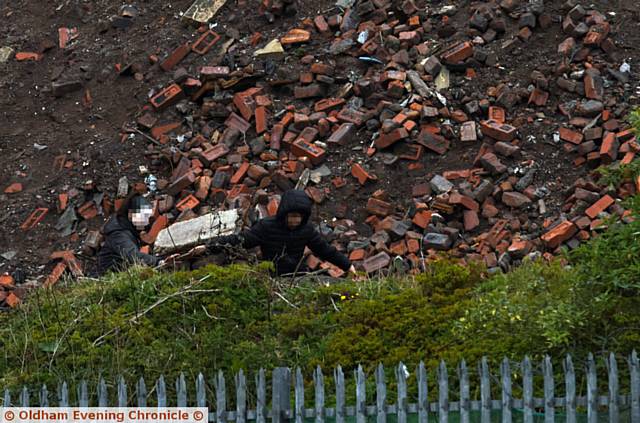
{"x": 283, "y": 238}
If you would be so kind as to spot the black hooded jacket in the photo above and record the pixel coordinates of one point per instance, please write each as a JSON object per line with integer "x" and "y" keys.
{"x": 121, "y": 245}
{"x": 284, "y": 246}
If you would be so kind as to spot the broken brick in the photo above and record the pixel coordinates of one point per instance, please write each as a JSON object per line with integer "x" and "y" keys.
{"x": 377, "y": 262}
{"x": 204, "y": 43}
{"x": 34, "y": 218}
{"x": 458, "y": 53}
{"x": 498, "y": 131}
{"x": 55, "y": 275}
{"x": 599, "y": 206}
{"x": 168, "y": 96}
{"x": 176, "y": 57}
{"x": 386, "y": 140}
{"x": 379, "y": 207}
{"x": 570, "y": 136}
{"x": 13, "y": 188}
{"x": 609, "y": 148}
{"x": 361, "y": 175}
{"x": 302, "y": 148}
{"x": 559, "y": 234}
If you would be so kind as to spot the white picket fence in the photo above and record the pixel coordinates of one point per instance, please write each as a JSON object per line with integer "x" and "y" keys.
{"x": 568, "y": 403}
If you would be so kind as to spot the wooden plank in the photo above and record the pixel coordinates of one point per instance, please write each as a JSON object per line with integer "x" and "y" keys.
{"x": 485, "y": 391}
{"x": 181, "y": 391}
{"x": 318, "y": 383}
{"x": 44, "y": 396}
{"x": 141, "y": 392}
{"x": 280, "y": 393}
{"x": 549, "y": 394}
{"x": 361, "y": 396}
{"x": 614, "y": 406}
{"x": 221, "y": 398}
{"x": 381, "y": 395}
{"x": 423, "y": 391}
{"x": 634, "y": 372}
{"x": 443, "y": 393}
{"x": 161, "y": 392}
{"x": 83, "y": 394}
{"x": 24, "y": 398}
{"x": 527, "y": 387}
{"x": 201, "y": 391}
{"x": 401, "y": 378}
{"x": 122, "y": 392}
{"x": 592, "y": 390}
{"x": 103, "y": 396}
{"x": 570, "y": 390}
{"x": 465, "y": 396}
{"x": 299, "y": 393}
{"x": 507, "y": 396}
{"x": 63, "y": 395}
{"x": 241, "y": 397}
{"x": 261, "y": 397}
{"x": 341, "y": 413}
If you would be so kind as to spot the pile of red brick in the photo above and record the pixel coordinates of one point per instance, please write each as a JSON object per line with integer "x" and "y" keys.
{"x": 237, "y": 135}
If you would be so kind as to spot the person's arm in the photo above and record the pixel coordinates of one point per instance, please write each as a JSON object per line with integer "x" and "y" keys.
{"x": 248, "y": 238}
{"x": 129, "y": 251}
{"x": 327, "y": 252}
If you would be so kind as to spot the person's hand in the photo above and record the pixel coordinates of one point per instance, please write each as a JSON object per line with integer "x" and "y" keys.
{"x": 352, "y": 270}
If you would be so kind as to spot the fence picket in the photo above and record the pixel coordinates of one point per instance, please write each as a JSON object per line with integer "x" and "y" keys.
{"x": 614, "y": 407}
{"x": 141, "y": 392}
{"x": 507, "y": 403}
{"x": 122, "y": 392}
{"x": 181, "y": 391}
{"x": 592, "y": 390}
{"x": 401, "y": 378}
{"x": 381, "y": 395}
{"x": 570, "y": 390}
{"x": 465, "y": 396}
{"x": 485, "y": 391}
{"x": 261, "y": 397}
{"x": 299, "y": 393}
{"x": 443, "y": 393}
{"x": 423, "y": 390}
{"x": 161, "y": 392}
{"x": 63, "y": 395}
{"x": 634, "y": 372}
{"x": 340, "y": 395}
{"x": 103, "y": 398}
{"x": 527, "y": 382}
{"x": 44, "y": 396}
{"x": 24, "y": 398}
{"x": 361, "y": 396}
{"x": 549, "y": 399}
{"x": 241, "y": 397}
{"x": 318, "y": 382}
{"x": 221, "y": 398}
{"x": 83, "y": 394}
{"x": 201, "y": 391}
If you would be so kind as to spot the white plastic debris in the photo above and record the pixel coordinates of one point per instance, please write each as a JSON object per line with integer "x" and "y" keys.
{"x": 625, "y": 67}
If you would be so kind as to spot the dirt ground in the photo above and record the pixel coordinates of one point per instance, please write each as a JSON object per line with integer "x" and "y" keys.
{"x": 85, "y": 126}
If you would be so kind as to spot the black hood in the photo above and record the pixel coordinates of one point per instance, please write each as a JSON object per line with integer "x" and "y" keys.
{"x": 295, "y": 201}
{"x": 117, "y": 223}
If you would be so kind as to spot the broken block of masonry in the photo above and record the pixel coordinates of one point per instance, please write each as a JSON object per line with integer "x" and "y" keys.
{"x": 183, "y": 235}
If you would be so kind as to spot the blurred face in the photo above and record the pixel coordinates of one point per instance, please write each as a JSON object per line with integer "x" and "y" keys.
{"x": 294, "y": 219}
{"x": 141, "y": 217}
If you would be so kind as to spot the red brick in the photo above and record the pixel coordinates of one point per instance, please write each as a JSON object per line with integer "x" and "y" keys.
{"x": 328, "y": 104}
{"x": 181, "y": 183}
{"x": 538, "y": 96}
{"x": 168, "y": 96}
{"x": 55, "y": 274}
{"x": 377, "y": 262}
{"x": 599, "y": 206}
{"x": 343, "y": 134}
{"x": 203, "y": 184}
{"x": 205, "y": 42}
{"x": 12, "y": 300}
{"x": 23, "y": 56}
{"x": 413, "y": 245}
{"x": 386, "y": 140}
{"x": 468, "y": 132}
{"x": 467, "y": 202}
{"x": 398, "y": 248}
{"x": 187, "y": 203}
{"x": 436, "y": 143}
{"x": 568, "y": 135}
{"x": 13, "y": 188}
{"x": 609, "y": 148}
{"x": 351, "y": 116}
{"x": 471, "y": 220}
{"x": 158, "y": 131}
{"x": 175, "y": 57}
{"x": 321, "y": 24}
{"x": 240, "y": 173}
{"x": 295, "y": 36}
{"x": 159, "y": 224}
{"x": 500, "y": 132}
{"x": 88, "y": 210}
{"x": 379, "y": 207}
{"x": 597, "y": 34}
{"x": 246, "y": 105}
{"x": 261, "y": 120}
{"x": 361, "y": 175}
{"x": 212, "y": 72}
{"x": 301, "y": 148}
{"x": 6, "y": 281}
{"x": 214, "y": 153}
{"x": 458, "y": 53}
{"x": 422, "y": 218}
{"x": 561, "y": 233}
{"x": 497, "y": 114}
